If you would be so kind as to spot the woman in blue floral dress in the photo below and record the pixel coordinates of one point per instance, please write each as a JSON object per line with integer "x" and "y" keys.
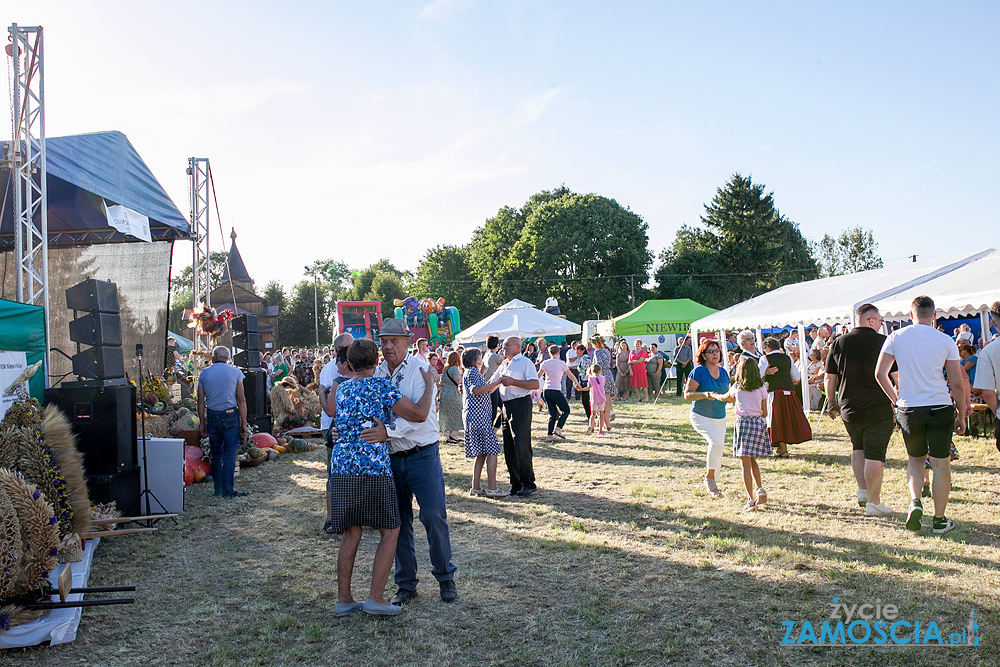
{"x": 480, "y": 438}
{"x": 362, "y": 492}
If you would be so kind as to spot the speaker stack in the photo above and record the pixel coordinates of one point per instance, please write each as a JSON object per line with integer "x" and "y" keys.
{"x": 101, "y": 404}
{"x": 247, "y": 357}
{"x": 99, "y": 327}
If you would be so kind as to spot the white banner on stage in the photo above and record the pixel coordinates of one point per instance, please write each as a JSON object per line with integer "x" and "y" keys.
{"x": 12, "y": 364}
{"x": 128, "y": 221}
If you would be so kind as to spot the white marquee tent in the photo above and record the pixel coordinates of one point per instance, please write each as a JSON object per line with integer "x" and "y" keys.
{"x": 960, "y": 285}
{"x": 518, "y": 318}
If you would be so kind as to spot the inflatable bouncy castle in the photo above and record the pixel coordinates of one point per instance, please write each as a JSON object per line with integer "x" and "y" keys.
{"x": 429, "y": 318}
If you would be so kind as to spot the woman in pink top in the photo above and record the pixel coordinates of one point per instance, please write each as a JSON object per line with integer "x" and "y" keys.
{"x": 750, "y": 439}
{"x": 550, "y": 373}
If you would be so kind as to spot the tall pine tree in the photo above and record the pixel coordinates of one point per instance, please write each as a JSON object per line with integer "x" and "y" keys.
{"x": 743, "y": 248}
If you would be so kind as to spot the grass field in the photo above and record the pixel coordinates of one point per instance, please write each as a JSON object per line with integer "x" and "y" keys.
{"x": 621, "y": 558}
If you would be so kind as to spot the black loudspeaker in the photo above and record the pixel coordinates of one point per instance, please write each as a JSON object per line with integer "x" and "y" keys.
{"x": 121, "y": 487}
{"x": 103, "y": 419}
{"x": 246, "y": 340}
{"x": 105, "y": 361}
{"x": 249, "y": 359}
{"x": 246, "y": 323}
{"x": 258, "y": 404}
{"x": 96, "y": 329}
{"x": 100, "y": 327}
{"x": 92, "y": 295}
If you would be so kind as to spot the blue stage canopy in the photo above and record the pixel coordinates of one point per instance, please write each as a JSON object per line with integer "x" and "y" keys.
{"x": 83, "y": 169}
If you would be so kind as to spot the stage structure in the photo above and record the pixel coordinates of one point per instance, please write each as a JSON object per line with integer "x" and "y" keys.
{"x": 199, "y": 170}
{"x": 24, "y": 159}
{"x": 108, "y": 219}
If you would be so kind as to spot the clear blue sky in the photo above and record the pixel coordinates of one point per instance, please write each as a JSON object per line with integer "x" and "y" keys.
{"x": 361, "y": 130}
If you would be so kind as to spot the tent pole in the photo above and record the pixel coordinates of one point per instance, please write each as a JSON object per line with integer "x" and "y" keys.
{"x": 803, "y": 369}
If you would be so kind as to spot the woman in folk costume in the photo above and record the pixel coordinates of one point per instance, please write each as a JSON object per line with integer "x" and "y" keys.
{"x": 786, "y": 422}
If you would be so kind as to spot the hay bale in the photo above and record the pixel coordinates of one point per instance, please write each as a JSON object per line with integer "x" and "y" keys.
{"x": 158, "y": 426}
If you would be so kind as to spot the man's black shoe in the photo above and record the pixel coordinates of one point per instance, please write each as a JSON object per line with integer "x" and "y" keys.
{"x": 915, "y": 514}
{"x": 526, "y": 491}
{"x": 239, "y": 494}
{"x": 403, "y": 595}
{"x": 449, "y": 593}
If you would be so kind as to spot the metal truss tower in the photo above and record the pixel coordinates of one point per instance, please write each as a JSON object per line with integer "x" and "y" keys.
{"x": 198, "y": 169}
{"x": 26, "y": 156}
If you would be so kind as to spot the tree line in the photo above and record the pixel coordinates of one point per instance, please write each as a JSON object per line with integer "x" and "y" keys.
{"x": 588, "y": 251}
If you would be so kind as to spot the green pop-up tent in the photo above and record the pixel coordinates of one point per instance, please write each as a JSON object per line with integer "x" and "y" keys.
{"x": 22, "y": 330}
{"x": 657, "y": 316}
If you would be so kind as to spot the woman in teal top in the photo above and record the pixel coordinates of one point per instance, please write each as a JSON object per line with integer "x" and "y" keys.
{"x": 280, "y": 368}
{"x": 707, "y": 387}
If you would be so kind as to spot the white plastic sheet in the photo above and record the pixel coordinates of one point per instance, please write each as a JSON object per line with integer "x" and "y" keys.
{"x": 58, "y": 626}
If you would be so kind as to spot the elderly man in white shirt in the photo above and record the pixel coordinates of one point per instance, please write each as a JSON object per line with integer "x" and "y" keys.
{"x": 518, "y": 378}
{"x": 416, "y": 468}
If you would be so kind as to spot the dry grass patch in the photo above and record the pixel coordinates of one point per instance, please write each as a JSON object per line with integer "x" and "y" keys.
{"x": 621, "y": 558}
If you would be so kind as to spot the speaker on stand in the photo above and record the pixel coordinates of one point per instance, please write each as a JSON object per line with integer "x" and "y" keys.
{"x": 247, "y": 357}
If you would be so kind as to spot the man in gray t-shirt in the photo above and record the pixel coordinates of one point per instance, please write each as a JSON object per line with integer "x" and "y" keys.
{"x": 222, "y": 410}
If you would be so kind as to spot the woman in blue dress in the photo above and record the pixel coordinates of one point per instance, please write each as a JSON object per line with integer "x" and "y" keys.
{"x": 602, "y": 357}
{"x": 362, "y": 492}
{"x": 480, "y": 438}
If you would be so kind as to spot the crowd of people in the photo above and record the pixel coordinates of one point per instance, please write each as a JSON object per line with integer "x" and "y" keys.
{"x": 388, "y": 407}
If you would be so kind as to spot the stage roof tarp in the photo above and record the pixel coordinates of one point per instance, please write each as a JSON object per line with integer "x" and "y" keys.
{"x": 656, "y": 316}
{"x": 518, "y": 318}
{"x": 832, "y": 300}
{"x": 83, "y": 169}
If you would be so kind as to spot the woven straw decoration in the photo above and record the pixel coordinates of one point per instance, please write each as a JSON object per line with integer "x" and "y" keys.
{"x": 39, "y": 533}
{"x": 11, "y": 551}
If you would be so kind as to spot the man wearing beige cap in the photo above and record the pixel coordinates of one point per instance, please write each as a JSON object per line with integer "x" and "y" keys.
{"x": 416, "y": 468}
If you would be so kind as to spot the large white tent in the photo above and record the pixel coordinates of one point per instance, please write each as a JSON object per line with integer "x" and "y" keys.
{"x": 961, "y": 282}
{"x": 833, "y": 300}
{"x": 518, "y": 318}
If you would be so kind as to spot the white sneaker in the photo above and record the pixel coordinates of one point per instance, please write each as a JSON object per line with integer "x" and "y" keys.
{"x": 475, "y": 492}
{"x": 862, "y": 497}
{"x": 881, "y": 509}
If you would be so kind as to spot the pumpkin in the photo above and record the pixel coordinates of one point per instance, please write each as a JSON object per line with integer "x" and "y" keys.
{"x": 188, "y": 475}
{"x": 263, "y": 440}
{"x": 282, "y": 441}
{"x": 203, "y": 467}
{"x": 272, "y": 455}
{"x": 199, "y": 475}
{"x": 280, "y": 449}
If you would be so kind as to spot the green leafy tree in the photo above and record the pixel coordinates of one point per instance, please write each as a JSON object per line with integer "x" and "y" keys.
{"x": 335, "y": 275}
{"x": 743, "y": 248}
{"x": 181, "y": 289}
{"x": 444, "y": 272}
{"x": 298, "y": 323}
{"x": 361, "y": 282}
{"x": 854, "y": 250}
{"x": 274, "y": 295}
{"x": 580, "y": 248}
{"x": 386, "y": 287}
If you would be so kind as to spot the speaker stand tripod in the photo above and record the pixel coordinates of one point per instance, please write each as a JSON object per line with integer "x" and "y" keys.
{"x": 151, "y": 519}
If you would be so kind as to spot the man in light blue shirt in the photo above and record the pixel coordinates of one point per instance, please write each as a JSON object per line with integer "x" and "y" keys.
{"x": 222, "y": 410}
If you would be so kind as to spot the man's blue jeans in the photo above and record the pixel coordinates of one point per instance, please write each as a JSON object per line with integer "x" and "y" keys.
{"x": 224, "y": 436}
{"x": 420, "y": 475}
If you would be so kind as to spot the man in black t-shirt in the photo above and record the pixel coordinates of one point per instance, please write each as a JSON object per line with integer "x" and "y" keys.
{"x": 866, "y": 410}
